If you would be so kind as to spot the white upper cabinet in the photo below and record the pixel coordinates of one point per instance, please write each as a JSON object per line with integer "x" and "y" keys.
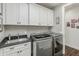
{"x": 11, "y": 16}
{"x": 46, "y": 16}
{"x": 50, "y": 17}
{"x": 39, "y": 15}
{"x": 23, "y": 14}
{"x": 27, "y": 14}
{"x": 33, "y": 14}
{"x": 0, "y": 7}
{"x": 16, "y": 14}
{"x": 43, "y": 16}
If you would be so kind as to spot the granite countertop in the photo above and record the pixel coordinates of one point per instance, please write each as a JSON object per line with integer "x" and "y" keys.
{"x": 2, "y": 45}
{"x": 4, "y": 41}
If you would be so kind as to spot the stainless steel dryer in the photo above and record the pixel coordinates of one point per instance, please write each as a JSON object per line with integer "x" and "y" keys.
{"x": 58, "y": 44}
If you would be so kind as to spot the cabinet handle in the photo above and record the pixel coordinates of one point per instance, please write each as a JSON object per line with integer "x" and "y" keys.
{"x": 18, "y": 22}
{"x": 12, "y": 48}
{"x": 19, "y": 51}
{"x": 25, "y": 44}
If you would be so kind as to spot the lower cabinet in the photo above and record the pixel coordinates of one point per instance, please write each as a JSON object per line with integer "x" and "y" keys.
{"x": 24, "y": 52}
{"x": 15, "y": 53}
{"x": 1, "y": 52}
{"x": 17, "y": 50}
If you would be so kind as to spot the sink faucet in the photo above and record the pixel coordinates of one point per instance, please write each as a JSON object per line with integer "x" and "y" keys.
{"x": 9, "y": 36}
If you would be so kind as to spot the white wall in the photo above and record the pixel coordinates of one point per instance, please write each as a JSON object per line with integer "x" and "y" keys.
{"x": 57, "y": 13}
{"x": 72, "y": 34}
{"x": 59, "y": 28}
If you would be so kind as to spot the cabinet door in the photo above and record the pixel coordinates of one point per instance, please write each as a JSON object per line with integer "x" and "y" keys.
{"x": 26, "y": 50}
{"x": 12, "y": 50}
{"x": 1, "y": 24}
{"x": 11, "y": 13}
{"x": 13, "y": 53}
{"x": 1, "y": 52}
{"x": 23, "y": 14}
{"x": 8, "y": 50}
{"x": 34, "y": 14}
{"x": 0, "y": 7}
{"x": 50, "y": 17}
{"x": 43, "y": 16}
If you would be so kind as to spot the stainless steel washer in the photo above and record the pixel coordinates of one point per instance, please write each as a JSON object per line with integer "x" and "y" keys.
{"x": 41, "y": 45}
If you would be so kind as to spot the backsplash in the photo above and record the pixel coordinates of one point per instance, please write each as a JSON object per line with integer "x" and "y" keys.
{"x": 14, "y": 30}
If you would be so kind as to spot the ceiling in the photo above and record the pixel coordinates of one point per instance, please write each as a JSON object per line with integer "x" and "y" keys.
{"x": 72, "y": 6}
{"x": 50, "y": 5}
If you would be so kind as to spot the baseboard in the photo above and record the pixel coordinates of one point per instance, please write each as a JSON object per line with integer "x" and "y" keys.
{"x": 71, "y": 47}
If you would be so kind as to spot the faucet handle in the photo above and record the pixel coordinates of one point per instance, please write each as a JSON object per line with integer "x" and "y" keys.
{"x": 18, "y": 35}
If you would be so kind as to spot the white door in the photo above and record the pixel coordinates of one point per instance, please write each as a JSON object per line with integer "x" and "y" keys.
{"x": 43, "y": 16}
{"x": 33, "y": 14}
{"x": 11, "y": 13}
{"x": 23, "y": 14}
{"x": 50, "y": 17}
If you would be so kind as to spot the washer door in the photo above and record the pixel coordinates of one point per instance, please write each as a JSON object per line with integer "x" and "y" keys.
{"x": 44, "y": 47}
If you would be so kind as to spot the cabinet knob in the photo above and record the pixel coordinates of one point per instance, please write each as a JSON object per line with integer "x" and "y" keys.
{"x": 18, "y": 22}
